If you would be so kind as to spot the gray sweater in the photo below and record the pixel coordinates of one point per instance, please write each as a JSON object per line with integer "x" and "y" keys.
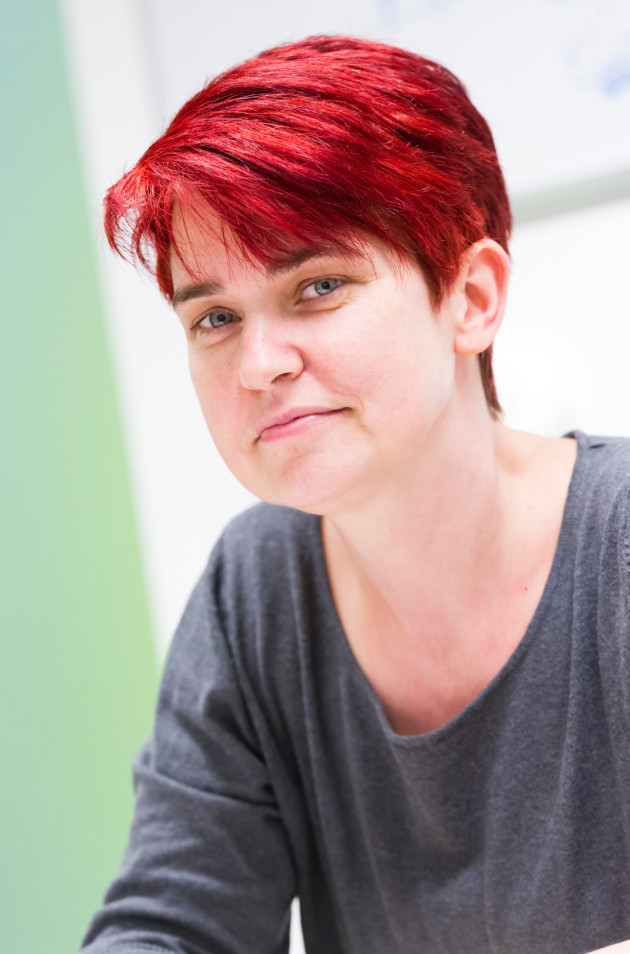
{"x": 272, "y": 770}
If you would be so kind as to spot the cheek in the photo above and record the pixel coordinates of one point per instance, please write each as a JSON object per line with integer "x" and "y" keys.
{"x": 201, "y": 380}
{"x": 354, "y": 351}
{"x": 213, "y": 394}
{"x": 414, "y": 374}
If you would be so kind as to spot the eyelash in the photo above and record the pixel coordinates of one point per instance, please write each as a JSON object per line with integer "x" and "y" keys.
{"x": 225, "y": 311}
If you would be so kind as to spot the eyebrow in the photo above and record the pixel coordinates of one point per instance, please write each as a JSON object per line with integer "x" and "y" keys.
{"x": 202, "y": 290}
{"x": 279, "y": 266}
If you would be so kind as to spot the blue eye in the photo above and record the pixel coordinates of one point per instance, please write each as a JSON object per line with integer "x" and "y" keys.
{"x": 326, "y": 285}
{"x": 322, "y": 287}
{"x": 216, "y": 319}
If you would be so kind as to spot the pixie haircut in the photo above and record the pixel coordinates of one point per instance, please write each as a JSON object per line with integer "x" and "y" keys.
{"x": 330, "y": 139}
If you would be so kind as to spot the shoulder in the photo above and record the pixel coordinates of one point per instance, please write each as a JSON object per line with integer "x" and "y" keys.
{"x": 265, "y": 524}
{"x": 601, "y": 503}
{"x": 253, "y": 566}
{"x": 270, "y": 595}
{"x": 602, "y": 475}
{"x": 600, "y": 515}
{"x": 604, "y": 562}
{"x": 610, "y": 455}
{"x": 267, "y": 539}
{"x": 264, "y": 573}
{"x": 242, "y": 625}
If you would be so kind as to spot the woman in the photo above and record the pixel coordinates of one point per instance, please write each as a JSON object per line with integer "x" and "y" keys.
{"x": 399, "y": 689}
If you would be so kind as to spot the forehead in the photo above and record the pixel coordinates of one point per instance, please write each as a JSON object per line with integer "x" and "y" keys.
{"x": 201, "y": 239}
{"x": 206, "y": 248}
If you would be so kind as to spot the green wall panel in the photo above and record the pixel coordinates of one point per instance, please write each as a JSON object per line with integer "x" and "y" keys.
{"x": 77, "y": 667}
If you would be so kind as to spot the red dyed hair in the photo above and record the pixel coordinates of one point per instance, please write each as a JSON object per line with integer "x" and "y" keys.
{"x": 331, "y": 138}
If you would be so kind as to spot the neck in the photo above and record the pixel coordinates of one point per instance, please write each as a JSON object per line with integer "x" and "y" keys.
{"x": 432, "y": 545}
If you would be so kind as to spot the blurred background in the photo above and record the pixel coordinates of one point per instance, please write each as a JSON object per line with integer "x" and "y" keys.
{"x": 111, "y": 493}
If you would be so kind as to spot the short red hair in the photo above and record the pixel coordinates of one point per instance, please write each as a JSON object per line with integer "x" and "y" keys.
{"x": 331, "y": 138}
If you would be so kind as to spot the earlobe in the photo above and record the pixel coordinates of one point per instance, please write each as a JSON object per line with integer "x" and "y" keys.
{"x": 482, "y": 286}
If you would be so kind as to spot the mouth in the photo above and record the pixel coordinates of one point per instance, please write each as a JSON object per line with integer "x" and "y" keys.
{"x": 295, "y": 422}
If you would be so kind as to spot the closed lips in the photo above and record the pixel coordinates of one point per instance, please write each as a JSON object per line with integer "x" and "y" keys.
{"x": 293, "y": 415}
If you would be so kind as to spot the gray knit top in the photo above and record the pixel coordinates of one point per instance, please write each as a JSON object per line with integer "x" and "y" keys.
{"x": 272, "y": 770}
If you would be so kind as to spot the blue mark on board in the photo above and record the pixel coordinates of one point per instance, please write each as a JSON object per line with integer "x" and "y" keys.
{"x": 608, "y": 74}
{"x": 616, "y": 78}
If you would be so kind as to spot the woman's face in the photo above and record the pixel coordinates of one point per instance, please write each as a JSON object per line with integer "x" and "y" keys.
{"x": 320, "y": 379}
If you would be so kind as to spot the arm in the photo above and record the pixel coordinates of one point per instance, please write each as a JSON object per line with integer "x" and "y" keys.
{"x": 208, "y": 867}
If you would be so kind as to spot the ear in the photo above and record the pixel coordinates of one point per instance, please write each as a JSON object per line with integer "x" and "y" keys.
{"x": 482, "y": 286}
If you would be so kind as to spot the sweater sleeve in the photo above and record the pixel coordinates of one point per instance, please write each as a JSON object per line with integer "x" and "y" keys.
{"x": 208, "y": 867}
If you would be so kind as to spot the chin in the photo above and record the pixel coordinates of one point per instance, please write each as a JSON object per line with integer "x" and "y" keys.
{"x": 312, "y": 488}
{"x": 314, "y": 500}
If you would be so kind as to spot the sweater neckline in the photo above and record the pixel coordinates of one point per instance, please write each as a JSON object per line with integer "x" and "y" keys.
{"x": 473, "y": 709}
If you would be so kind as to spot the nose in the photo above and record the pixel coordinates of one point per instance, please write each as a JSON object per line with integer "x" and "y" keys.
{"x": 267, "y": 353}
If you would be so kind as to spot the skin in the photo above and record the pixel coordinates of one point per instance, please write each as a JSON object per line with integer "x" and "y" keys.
{"x": 622, "y": 948}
